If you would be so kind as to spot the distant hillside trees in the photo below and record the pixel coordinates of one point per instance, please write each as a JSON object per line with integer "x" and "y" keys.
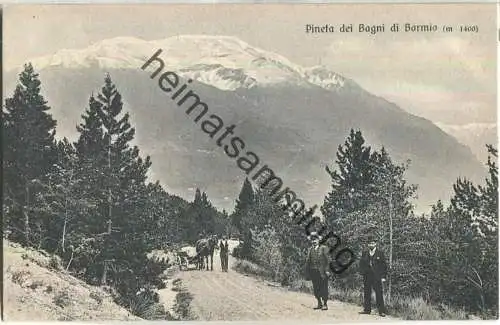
{"x": 201, "y": 218}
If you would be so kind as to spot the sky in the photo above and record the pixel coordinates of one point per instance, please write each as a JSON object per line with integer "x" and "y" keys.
{"x": 449, "y": 78}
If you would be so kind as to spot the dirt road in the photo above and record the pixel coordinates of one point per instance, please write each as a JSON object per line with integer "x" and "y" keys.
{"x": 236, "y": 297}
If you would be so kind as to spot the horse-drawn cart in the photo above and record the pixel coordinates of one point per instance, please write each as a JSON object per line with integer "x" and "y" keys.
{"x": 186, "y": 258}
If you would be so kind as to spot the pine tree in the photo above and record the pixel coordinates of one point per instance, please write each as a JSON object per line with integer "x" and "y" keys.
{"x": 369, "y": 197}
{"x": 92, "y": 157}
{"x": 224, "y": 224}
{"x": 163, "y": 213}
{"x": 293, "y": 245}
{"x": 197, "y": 216}
{"x": 486, "y": 229}
{"x": 115, "y": 176}
{"x": 475, "y": 211}
{"x": 486, "y": 224}
{"x": 207, "y": 214}
{"x": 392, "y": 199}
{"x": 245, "y": 199}
{"x": 267, "y": 228}
{"x": 29, "y": 150}
{"x": 351, "y": 180}
{"x": 125, "y": 176}
{"x": 201, "y": 218}
{"x": 348, "y": 207}
{"x": 469, "y": 231}
{"x": 178, "y": 209}
{"x": 61, "y": 203}
{"x": 91, "y": 140}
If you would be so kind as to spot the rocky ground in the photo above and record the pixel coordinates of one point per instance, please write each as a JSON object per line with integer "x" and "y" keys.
{"x": 36, "y": 288}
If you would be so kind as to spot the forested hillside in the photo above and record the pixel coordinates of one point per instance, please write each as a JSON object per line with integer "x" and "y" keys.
{"x": 90, "y": 201}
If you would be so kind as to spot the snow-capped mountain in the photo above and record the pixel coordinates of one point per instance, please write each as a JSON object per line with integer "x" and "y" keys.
{"x": 293, "y": 117}
{"x": 224, "y": 62}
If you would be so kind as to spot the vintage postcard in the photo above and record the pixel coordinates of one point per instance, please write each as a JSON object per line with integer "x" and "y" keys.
{"x": 315, "y": 163}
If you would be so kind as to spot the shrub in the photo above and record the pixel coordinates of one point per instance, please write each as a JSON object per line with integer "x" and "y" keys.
{"x": 145, "y": 304}
{"x": 183, "y": 304}
{"x": 247, "y": 267}
{"x": 237, "y": 251}
{"x": 183, "y": 300}
{"x": 97, "y": 297}
{"x": 62, "y": 299}
{"x": 267, "y": 251}
{"x": 20, "y": 276}
{"x": 35, "y": 284}
{"x": 55, "y": 263}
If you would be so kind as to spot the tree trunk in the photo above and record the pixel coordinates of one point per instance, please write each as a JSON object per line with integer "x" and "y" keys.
{"x": 390, "y": 245}
{"x": 26, "y": 216}
{"x": 110, "y": 197}
{"x": 70, "y": 260}
{"x": 64, "y": 226}
{"x": 104, "y": 273}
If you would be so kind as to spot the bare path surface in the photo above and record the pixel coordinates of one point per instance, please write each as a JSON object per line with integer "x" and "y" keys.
{"x": 233, "y": 296}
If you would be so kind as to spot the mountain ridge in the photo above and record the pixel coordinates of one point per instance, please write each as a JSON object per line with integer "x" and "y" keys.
{"x": 211, "y": 57}
{"x": 295, "y": 127}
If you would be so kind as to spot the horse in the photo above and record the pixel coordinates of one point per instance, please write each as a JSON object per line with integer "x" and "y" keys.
{"x": 205, "y": 248}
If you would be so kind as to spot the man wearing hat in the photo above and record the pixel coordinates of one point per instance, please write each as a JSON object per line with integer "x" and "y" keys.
{"x": 373, "y": 267}
{"x": 317, "y": 270}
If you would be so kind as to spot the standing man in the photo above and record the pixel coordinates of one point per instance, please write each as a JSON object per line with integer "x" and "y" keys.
{"x": 373, "y": 267}
{"x": 227, "y": 254}
{"x": 224, "y": 251}
{"x": 317, "y": 270}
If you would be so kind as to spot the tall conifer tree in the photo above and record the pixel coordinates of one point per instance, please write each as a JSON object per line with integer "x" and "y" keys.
{"x": 245, "y": 200}
{"x": 351, "y": 181}
{"x": 29, "y": 150}
{"x": 115, "y": 176}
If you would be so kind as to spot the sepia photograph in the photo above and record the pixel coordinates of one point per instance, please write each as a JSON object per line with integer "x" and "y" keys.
{"x": 318, "y": 163}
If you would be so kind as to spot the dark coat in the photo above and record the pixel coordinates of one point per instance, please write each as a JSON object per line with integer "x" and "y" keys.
{"x": 379, "y": 269}
{"x": 321, "y": 263}
{"x": 224, "y": 248}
